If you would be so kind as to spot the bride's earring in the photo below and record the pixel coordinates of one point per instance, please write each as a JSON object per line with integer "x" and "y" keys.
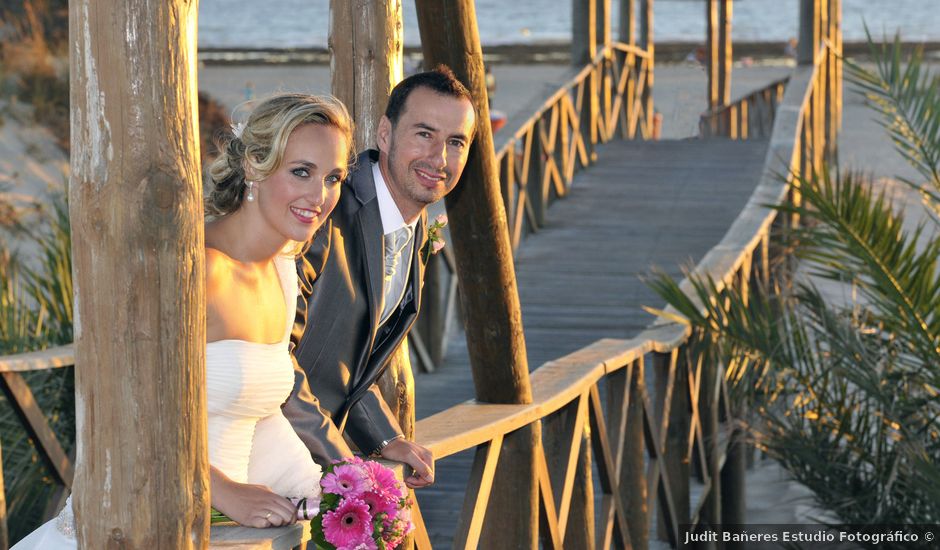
{"x": 250, "y": 197}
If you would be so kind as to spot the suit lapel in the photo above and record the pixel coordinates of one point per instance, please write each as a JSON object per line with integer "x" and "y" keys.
{"x": 417, "y": 263}
{"x": 370, "y": 228}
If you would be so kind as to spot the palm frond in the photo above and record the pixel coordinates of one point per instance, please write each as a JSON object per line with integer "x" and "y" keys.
{"x": 907, "y": 96}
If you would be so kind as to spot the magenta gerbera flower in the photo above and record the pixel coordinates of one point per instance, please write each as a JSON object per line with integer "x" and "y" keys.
{"x": 384, "y": 481}
{"x": 349, "y": 525}
{"x": 347, "y": 481}
{"x": 379, "y": 503}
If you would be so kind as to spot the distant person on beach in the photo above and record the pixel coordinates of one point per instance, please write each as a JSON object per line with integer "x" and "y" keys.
{"x": 362, "y": 277}
{"x": 273, "y": 185}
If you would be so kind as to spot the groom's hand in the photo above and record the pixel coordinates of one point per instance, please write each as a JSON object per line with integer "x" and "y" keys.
{"x": 419, "y": 458}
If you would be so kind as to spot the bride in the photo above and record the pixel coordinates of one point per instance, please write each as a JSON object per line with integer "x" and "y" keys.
{"x": 276, "y": 181}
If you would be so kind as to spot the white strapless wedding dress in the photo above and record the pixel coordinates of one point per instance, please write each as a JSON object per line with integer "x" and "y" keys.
{"x": 250, "y": 440}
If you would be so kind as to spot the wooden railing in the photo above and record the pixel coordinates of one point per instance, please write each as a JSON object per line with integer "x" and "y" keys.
{"x": 549, "y": 142}
{"x": 751, "y": 116}
{"x": 644, "y": 437}
{"x": 20, "y": 397}
{"x": 60, "y": 465}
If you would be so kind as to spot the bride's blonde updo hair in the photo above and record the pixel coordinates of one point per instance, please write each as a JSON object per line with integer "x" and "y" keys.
{"x": 261, "y": 142}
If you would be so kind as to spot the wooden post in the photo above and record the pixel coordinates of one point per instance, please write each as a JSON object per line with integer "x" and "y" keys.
{"x": 559, "y": 432}
{"x": 725, "y": 57}
{"x": 602, "y": 20}
{"x": 712, "y": 50}
{"x": 633, "y": 482}
{"x": 809, "y": 32}
{"x": 538, "y": 193}
{"x": 583, "y": 51}
{"x": 366, "y": 48}
{"x": 583, "y": 31}
{"x": 489, "y": 296}
{"x": 646, "y": 42}
{"x": 733, "y": 482}
{"x": 710, "y": 515}
{"x": 604, "y": 79}
{"x": 675, "y": 400}
{"x": 135, "y": 198}
{"x": 626, "y": 31}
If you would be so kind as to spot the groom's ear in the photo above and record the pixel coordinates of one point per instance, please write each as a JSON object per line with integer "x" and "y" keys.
{"x": 383, "y": 137}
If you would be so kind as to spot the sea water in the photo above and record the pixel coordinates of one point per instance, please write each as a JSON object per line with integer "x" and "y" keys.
{"x": 305, "y": 23}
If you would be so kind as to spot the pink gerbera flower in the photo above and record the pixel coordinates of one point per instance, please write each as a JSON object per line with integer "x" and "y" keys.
{"x": 347, "y": 481}
{"x": 349, "y": 525}
{"x": 383, "y": 479}
{"x": 380, "y": 504}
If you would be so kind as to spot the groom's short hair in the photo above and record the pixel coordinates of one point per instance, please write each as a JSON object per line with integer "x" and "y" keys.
{"x": 439, "y": 79}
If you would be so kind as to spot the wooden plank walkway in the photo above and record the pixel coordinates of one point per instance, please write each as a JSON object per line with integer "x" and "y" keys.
{"x": 642, "y": 204}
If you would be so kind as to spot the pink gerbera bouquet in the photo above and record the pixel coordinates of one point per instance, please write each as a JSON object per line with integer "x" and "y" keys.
{"x": 362, "y": 507}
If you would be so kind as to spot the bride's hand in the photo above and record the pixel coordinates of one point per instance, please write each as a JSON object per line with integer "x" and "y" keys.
{"x": 249, "y": 505}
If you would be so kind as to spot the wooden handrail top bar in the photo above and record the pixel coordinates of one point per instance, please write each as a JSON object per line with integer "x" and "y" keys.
{"x": 554, "y": 385}
{"x": 753, "y": 93}
{"x": 237, "y": 537}
{"x": 627, "y": 48}
{"x": 52, "y": 358}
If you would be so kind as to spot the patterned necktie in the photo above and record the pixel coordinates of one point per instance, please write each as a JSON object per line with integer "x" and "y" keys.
{"x": 394, "y": 243}
{"x": 393, "y": 287}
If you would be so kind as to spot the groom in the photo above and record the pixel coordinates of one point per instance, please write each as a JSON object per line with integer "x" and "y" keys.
{"x": 363, "y": 273}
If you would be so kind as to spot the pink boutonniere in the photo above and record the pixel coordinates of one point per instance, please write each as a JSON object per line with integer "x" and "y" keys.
{"x": 435, "y": 242}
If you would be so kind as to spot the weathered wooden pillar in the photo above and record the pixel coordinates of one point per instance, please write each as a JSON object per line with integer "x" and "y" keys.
{"x": 583, "y": 50}
{"x": 810, "y": 33}
{"x": 712, "y": 47}
{"x": 725, "y": 58}
{"x": 135, "y": 199}
{"x": 366, "y": 49}
{"x": 489, "y": 296}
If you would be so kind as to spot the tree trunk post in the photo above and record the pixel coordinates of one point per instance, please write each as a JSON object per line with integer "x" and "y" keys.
{"x": 489, "y": 297}
{"x": 136, "y": 212}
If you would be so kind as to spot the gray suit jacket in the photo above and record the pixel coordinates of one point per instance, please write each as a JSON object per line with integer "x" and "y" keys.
{"x": 339, "y": 346}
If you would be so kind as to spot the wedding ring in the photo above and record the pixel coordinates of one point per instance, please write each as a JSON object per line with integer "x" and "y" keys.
{"x": 268, "y": 515}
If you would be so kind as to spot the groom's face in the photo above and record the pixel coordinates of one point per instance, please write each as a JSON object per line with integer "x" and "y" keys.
{"x": 424, "y": 154}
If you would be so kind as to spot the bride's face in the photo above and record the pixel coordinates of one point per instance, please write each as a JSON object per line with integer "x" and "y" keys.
{"x": 298, "y": 197}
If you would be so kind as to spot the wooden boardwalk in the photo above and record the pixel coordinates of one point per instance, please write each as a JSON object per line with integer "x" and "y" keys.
{"x": 642, "y": 204}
